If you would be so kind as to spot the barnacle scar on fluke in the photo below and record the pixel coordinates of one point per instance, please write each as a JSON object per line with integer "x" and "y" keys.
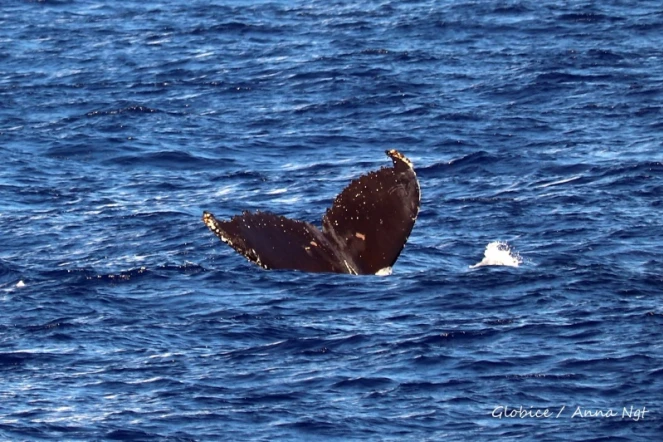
{"x": 362, "y": 233}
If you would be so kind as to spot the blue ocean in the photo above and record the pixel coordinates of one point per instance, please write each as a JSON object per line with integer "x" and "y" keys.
{"x": 526, "y": 304}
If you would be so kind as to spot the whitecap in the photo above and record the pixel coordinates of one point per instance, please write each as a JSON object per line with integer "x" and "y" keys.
{"x": 499, "y": 253}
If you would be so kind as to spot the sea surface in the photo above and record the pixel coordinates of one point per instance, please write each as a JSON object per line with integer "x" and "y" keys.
{"x": 537, "y": 125}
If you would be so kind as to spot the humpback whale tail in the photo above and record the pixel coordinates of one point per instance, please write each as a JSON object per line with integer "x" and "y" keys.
{"x": 363, "y": 232}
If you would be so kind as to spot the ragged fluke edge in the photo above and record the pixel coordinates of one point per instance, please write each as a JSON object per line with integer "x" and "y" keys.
{"x": 362, "y": 233}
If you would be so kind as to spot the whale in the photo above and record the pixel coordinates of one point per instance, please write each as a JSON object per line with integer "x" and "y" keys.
{"x": 362, "y": 233}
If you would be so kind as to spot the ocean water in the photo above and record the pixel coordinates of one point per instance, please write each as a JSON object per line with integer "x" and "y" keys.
{"x": 536, "y": 132}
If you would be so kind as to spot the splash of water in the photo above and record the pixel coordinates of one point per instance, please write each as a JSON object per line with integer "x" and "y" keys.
{"x": 499, "y": 254}
{"x": 384, "y": 272}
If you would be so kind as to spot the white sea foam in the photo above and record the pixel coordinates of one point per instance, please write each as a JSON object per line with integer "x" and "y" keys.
{"x": 499, "y": 254}
{"x": 386, "y": 271}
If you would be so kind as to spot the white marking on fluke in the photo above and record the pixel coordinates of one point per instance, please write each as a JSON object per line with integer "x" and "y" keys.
{"x": 396, "y": 154}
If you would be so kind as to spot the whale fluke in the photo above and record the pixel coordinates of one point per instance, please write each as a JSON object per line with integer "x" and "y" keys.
{"x": 363, "y": 232}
